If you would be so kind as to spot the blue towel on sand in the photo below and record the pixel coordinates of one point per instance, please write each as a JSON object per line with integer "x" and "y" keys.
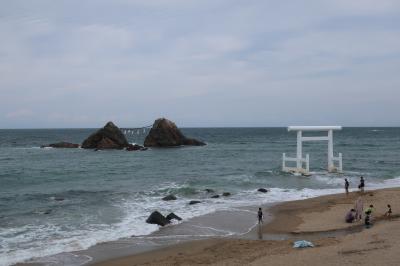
{"x": 303, "y": 244}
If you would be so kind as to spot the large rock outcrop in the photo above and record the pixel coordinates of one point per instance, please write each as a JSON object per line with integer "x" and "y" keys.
{"x": 108, "y": 137}
{"x": 165, "y": 133}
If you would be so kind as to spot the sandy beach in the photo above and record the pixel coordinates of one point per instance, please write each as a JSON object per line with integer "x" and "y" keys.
{"x": 319, "y": 220}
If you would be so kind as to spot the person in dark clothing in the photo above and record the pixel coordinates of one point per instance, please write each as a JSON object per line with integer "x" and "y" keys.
{"x": 389, "y": 211}
{"x": 260, "y": 216}
{"x": 362, "y": 184}
{"x": 346, "y": 185}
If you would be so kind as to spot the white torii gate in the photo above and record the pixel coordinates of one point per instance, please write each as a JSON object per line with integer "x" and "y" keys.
{"x": 299, "y": 155}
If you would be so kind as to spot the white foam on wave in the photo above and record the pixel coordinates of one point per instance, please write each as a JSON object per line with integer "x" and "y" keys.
{"x": 21, "y": 244}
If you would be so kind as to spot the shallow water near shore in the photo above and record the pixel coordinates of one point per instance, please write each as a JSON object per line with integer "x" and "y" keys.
{"x": 62, "y": 200}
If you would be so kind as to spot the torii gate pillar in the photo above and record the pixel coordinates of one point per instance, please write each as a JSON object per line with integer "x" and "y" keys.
{"x": 299, "y": 154}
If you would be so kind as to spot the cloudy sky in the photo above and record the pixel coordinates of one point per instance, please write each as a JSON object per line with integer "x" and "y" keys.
{"x": 82, "y": 63}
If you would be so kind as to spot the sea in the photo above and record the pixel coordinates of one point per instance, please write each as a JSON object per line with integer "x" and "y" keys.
{"x": 63, "y": 200}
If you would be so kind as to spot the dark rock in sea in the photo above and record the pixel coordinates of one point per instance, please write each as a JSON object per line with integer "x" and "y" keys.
{"x": 135, "y": 147}
{"x": 192, "y": 202}
{"x": 173, "y": 216}
{"x": 263, "y": 190}
{"x": 165, "y": 133}
{"x": 108, "y": 137}
{"x": 209, "y": 190}
{"x": 61, "y": 145}
{"x": 215, "y": 197}
{"x": 57, "y": 198}
{"x": 169, "y": 197}
{"x": 157, "y": 218}
{"x": 226, "y": 194}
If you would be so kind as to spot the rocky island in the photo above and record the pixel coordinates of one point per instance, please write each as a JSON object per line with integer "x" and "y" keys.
{"x": 165, "y": 133}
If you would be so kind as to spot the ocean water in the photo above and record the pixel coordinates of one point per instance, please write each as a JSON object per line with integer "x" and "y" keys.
{"x": 57, "y": 200}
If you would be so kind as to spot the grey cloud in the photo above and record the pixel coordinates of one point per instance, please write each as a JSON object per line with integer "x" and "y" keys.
{"x": 203, "y": 63}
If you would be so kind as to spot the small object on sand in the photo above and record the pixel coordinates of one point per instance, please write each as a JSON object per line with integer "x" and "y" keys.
{"x": 303, "y": 244}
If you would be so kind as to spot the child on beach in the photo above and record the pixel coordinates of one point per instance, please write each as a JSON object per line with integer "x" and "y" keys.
{"x": 350, "y": 216}
{"x": 346, "y": 185}
{"x": 367, "y": 219}
{"x": 370, "y": 209}
{"x": 389, "y": 211}
{"x": 260, "y": 216}
{"x": 368, "y": 214}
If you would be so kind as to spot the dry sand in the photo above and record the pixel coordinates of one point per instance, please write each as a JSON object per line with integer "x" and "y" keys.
{"x": 320, "y": 220}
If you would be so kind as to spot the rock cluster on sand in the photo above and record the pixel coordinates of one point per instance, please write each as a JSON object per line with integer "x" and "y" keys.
{"x": 61, "y": 145}
{"x": 108, "y": 137}
{"x": 157, "y": 218}
{"x": 165, "y": 133}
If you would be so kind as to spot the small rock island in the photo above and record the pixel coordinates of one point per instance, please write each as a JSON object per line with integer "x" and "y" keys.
{"x": 165, "y": 133}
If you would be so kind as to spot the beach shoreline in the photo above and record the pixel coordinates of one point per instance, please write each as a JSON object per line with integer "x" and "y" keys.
{"x": 319, "y": 219}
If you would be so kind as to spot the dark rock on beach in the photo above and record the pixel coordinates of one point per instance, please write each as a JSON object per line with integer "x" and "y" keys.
{"x": 263, "y": 190}
{"x": 215, "y": 197}
{"x": 173, "y": 216}
{"x": 157, "y": 218}
{"x": 61, "y": 145}
{"x": 192, "y": 202}
{"x": 165, "y": 133}
{"x": 108, "y": 137}
{"x": 169, "y": 197}
{"x": 226, "y": 194}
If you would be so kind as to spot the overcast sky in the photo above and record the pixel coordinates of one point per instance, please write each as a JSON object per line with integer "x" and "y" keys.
{"x": 82, "y": 63}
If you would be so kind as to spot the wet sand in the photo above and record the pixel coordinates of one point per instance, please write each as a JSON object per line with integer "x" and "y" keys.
{"x": 320, "y": 220}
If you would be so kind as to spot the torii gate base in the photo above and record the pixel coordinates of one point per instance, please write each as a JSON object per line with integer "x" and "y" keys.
{"x": 299, "y": 155}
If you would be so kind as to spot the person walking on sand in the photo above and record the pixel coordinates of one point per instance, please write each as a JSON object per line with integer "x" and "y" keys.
{"x": 346, "y": 186}
{"x": 359, "y": 207}
{"x": 260, "y": 216}
{"x": 362, "y": 184}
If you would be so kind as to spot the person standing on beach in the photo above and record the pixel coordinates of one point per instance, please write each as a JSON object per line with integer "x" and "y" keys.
{"x": 346, "y": 186}
{"x": 359, "y": 207}
{"x": 260, "y": 216}
{"x": 361, "y": 185}
{"x": 389, "y": 211}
